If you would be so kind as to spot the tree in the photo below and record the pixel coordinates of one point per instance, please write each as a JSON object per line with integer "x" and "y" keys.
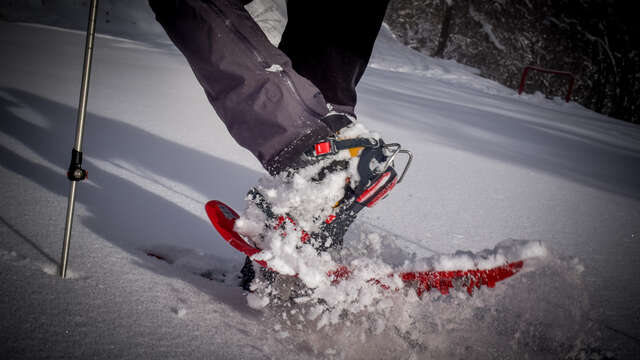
{"x": 444, "y": 28}
{"x": 596, "y": 40}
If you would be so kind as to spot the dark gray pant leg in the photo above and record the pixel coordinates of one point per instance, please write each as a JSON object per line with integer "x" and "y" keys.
{"x": 270, "y": 110}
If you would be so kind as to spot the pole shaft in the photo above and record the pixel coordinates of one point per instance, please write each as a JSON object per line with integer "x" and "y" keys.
{"x": 82, "y": 113}
{"x": 86, "y": 74}
{"x": 67, "y": 230}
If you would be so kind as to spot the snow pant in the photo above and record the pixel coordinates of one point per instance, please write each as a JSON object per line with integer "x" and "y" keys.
{"x": 274, "y": 101}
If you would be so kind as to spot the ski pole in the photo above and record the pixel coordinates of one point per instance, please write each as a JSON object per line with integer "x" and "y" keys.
{"x": 76, "y": 173}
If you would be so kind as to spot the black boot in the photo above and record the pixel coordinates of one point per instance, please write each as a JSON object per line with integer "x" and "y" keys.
{"x": 369, "y": 181}
{"x": 248, "y": 274}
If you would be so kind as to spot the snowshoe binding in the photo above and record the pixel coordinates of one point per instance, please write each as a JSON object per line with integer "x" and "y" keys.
{"x": 369, "y": 165}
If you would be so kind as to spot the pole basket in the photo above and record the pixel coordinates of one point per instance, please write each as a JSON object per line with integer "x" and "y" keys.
{"x": 565, "y": 74}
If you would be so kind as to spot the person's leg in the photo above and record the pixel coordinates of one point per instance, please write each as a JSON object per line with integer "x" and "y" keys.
{"x": 267, "y": 107}
{"x": 330, "y": 42}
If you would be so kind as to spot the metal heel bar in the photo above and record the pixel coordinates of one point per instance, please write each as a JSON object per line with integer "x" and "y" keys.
{"x": 397, "y": 149}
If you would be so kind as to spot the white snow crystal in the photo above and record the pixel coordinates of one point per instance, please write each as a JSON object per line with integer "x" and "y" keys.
{"x": 274, "y": 68}
{"x": 257, "y": 302}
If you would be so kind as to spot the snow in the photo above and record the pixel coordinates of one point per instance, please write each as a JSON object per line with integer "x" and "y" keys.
{"x": 490, "y": 166}
{"x": 486, "y": 27}
{"x": 274, "y": 68}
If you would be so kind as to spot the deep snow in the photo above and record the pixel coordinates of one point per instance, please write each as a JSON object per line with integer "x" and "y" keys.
{"x": 490, "y": 165}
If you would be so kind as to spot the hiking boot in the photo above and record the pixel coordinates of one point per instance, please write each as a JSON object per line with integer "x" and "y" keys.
{"x": 321, "y": 195}
{"x": 367, "y": 165}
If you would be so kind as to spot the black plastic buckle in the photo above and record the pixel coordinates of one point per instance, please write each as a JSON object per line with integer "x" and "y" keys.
{"x": 76, "y": 172}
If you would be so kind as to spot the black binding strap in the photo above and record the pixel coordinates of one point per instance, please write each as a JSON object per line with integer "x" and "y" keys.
{"x": 354, "y": 143}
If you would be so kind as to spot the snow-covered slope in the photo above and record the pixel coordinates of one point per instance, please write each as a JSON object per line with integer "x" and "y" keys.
{"x": 490, "y": 165}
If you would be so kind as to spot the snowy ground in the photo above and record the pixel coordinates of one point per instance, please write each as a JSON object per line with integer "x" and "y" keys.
{"x": 490, "y": 165}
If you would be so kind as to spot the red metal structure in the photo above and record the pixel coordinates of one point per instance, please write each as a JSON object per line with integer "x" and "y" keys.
{"x": 572, "y": 78}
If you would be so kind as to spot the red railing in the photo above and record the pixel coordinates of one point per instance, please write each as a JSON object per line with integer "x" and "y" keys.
{"x": 572, "y": 78}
